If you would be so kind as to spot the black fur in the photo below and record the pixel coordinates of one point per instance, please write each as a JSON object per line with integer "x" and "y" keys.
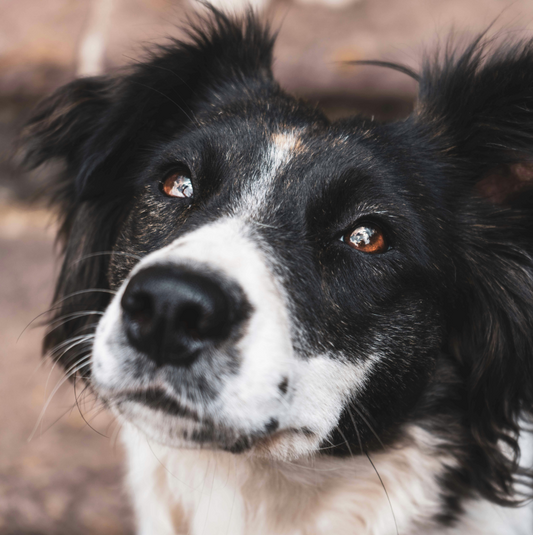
{"x": 452, "y": 299}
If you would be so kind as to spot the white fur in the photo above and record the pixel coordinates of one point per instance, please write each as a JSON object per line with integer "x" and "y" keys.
{"x": 214, "y": 493}
{"x": 276, "y": 155}
{"x": 485, "y": 518}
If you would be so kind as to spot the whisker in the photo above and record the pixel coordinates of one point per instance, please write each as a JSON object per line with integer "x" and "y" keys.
{"x": 74, "y": 342}
{"x": 386, "y": 493}
{"x": 48, "y": 354}
{"x": 312, "y": 468}
{"x": 61, "y": 345}
{"x": 265, "y": 225}
{"x": 333, "y": 446}
{"x": 81, "y": 412}
{"x": 346, "y": 442}
{"x": 78, "y": 366}
{"x": 87, "y": 327}
{"x": 183, "y": 81}
{"x": 373, "y": 466}
{"x": 69, "y": 410}
{"x": 360, "y": 414}
{"x": 169, "y": 99}
{"x": 69, "y": 317}
{"x": 103, "y": 253}
{"x": 116, "y": 432}
{"x": 74, "y": 315}
{"x": 56, "y": 304}
{"x": 356, "y": 429}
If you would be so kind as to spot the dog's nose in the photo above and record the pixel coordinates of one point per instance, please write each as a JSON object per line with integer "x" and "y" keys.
{"x": 171, "y": 313}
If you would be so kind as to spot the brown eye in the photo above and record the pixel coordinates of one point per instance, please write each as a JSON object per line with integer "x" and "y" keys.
{"x": 367, "y": 239}
{"x": 178, "y": 185}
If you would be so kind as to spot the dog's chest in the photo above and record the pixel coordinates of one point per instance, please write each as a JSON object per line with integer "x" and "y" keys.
{"x": 208, "y": 493}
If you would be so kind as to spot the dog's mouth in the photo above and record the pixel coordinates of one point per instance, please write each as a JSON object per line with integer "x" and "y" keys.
{"x": 195, "y": 429}
{"x": 158, "y": 400}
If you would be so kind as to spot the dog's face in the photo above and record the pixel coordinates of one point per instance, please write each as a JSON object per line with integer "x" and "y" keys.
{"x": 287, "y": 285}
{"x": 285, "y": 268}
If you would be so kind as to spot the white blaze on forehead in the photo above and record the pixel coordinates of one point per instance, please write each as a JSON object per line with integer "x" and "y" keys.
{"x": 281, "y": 148}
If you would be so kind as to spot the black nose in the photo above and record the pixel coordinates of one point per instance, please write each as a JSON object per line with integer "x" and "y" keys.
{"x": 171, "y": 313}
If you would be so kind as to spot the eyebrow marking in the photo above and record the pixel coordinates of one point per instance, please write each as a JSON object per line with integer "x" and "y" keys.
{"x": 281, "y": 148}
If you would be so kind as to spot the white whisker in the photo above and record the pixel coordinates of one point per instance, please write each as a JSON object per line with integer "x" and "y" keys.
{"x": 77, "y": 340}
{"x": 78, "y": 366}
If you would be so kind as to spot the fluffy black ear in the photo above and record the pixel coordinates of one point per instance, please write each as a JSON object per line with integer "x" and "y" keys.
{"x": 476, "y": 108}
{"x": 104, "y": 128}
{"x": 96, "y": 124}
{"x": 61, "y": 129}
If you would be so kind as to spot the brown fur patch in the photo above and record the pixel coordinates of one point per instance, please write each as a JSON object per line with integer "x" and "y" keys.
{"x": 289, "y": 142}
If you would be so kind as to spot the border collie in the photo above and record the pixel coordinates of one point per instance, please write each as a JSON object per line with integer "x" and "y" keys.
{"x": 304, "y": 326}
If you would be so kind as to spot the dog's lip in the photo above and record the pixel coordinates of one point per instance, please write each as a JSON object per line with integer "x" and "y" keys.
{"x": 158, "y": 399}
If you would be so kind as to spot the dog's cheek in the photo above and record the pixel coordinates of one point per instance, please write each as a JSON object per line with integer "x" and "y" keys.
{"x": 399, "y": 362}
{"x": 151, "y": 224}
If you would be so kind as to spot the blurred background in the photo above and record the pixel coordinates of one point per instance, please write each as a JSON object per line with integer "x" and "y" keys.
{"x": 67, "y": 478}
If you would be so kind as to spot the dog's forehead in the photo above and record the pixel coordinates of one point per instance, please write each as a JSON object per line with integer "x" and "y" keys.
{"x": 288, "y": 160}
{"x": 255, "y": 150}
{"x": 300, "y": 166}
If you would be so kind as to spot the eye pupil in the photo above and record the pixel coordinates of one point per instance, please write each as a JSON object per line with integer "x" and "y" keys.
{"x": 367, "y": 239}
{"x": 178, "y": 185}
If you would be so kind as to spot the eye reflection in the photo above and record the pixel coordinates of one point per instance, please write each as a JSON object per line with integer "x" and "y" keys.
{"x": 366, "y": 239}
{"x": 178, "y": 185}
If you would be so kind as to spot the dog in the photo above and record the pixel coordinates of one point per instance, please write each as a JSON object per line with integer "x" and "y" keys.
{"x": 303, "y": 326}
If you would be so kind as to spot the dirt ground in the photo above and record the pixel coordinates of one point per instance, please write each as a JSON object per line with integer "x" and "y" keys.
{"x": 67, "y": 479}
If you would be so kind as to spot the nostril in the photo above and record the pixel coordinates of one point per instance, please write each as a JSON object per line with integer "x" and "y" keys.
{"x": 139, "y": 306}
{"x": 190, "y": 320}
{"x": 139, "y": 316}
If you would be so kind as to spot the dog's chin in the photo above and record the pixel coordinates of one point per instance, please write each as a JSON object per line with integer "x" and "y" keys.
{"x": 180, "y": 428}
{"x": 287, "y": 445}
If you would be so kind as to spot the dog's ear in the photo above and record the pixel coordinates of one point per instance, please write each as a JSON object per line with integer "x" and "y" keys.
{"x": 61, "y": 129}
{"x": 476, "y": 108}
{"x": 102, "y": 129}
{"x": 96, "y": 124}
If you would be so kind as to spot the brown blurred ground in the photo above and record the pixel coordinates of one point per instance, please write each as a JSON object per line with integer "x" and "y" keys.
{"x": 40, "y": 41}
{"x": 67, "y": 480}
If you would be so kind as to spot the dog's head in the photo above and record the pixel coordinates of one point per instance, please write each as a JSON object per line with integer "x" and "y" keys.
{"x": 270, "y": 280}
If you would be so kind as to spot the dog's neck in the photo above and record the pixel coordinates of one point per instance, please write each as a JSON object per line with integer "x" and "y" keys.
{"x": 212, "y": 493}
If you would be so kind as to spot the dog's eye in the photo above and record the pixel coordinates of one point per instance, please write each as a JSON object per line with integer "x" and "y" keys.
{"x": 367, "y": 238}
{"x": 178, "y": 184}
